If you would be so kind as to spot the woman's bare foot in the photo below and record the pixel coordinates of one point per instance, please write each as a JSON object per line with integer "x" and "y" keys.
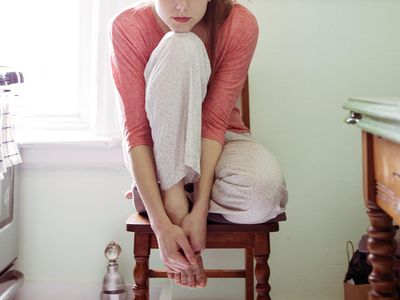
{"x": 193, "y": 277}
{"x": 177, "y": 207}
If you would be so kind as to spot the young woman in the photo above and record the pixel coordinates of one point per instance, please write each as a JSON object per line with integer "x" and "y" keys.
{"x": 179, "y": 67}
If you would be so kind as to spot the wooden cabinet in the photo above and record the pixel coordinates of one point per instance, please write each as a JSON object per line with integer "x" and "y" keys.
{"x": 387, "y": 175}
{"x": 379, "y": 121}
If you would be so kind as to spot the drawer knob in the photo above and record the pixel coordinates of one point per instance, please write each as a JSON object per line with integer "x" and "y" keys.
{"x": 353, "y": 118}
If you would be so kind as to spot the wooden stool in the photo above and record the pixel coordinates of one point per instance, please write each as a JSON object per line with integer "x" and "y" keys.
{"x": 253, "y": 238}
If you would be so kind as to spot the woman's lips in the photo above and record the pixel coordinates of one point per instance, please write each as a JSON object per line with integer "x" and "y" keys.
{"x": 181, "y": 20}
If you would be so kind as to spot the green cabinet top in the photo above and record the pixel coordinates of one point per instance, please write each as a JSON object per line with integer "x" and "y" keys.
{"x": 377, "y": 115}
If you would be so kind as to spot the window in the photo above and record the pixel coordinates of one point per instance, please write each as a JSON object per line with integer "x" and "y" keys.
{"x": 62, "y": 48}
{"x": 52, "y": 43}
{"x": 67, "y": 112}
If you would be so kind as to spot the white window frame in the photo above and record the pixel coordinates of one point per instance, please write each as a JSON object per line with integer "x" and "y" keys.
{"x": 84, "y": 121}
{"x": 91, "y": 138}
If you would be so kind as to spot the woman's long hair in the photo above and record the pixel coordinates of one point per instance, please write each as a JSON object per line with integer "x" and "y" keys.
{"x": 216, "y": 14}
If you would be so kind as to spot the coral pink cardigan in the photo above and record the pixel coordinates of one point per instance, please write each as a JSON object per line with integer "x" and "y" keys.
{"x": 135, "y": 33}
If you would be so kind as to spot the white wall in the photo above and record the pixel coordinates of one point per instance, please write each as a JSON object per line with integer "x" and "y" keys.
{"x": 312, "y": 55}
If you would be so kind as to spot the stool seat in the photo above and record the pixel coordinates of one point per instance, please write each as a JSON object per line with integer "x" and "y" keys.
{"x": 139, "y": 222}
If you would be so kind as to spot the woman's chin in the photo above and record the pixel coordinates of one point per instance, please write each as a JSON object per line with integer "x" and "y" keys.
{"x": 181, "y": 29}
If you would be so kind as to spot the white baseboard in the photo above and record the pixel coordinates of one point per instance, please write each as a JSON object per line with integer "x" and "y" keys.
{"x": 79, "y": 291}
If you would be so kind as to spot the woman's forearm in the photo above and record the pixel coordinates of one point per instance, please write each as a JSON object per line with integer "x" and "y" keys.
{"x": 144, "y": 172}
{"x": 210, "y": 153}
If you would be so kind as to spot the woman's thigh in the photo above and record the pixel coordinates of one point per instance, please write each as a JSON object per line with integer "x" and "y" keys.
{"x": 249, "y": 184}
{"x": 176, "y": 76}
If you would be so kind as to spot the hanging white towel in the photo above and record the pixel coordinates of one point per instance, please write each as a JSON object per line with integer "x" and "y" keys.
{"x": 9, "y": 154}
{"x": 3, "y": 169}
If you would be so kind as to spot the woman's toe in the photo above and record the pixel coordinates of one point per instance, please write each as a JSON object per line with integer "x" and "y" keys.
{"x": 201, "y": 276}
{"x": 184, "y": 279}
{"x": 191, "y": 278}
{"x": 177, "y": 277}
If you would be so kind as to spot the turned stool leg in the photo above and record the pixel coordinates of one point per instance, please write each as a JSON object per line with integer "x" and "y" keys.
{"x": 249, "y": 261}
{"x": 261, "y": 254}
{"x": 141, "y": 251}
{"x": 382, "y": 248}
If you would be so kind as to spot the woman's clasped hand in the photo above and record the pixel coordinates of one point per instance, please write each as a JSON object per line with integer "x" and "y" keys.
{"x": 180, "y": 248}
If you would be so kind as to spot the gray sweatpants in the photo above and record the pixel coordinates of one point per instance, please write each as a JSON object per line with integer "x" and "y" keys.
{"x": 249, "y": 185}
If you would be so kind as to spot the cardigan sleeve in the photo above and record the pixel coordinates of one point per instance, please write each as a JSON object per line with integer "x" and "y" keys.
{"x": 127, "y": 65}
{"x": 228, "y": 81}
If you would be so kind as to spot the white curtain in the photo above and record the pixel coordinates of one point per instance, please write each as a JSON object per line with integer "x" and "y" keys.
{"x": 107, "y": 111}
{"x": 9, "y": 153}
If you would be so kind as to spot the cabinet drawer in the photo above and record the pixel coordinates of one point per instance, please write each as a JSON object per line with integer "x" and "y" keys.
{"x": 387, "y": 163}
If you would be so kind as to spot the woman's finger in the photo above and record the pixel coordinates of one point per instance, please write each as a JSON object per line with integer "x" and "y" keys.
{"x": 188, "y": 251}
{"x": 171, "y": 267}
{"x": 179, "y": 261}
{"x": 169, "y": 270}
{"x": 170, "y": 275}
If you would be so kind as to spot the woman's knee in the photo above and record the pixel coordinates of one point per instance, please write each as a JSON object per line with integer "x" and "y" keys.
{"x": 181, "y": 40}
{"x": 262, "y": 188}
{"x": 177, "y": 65}
{"x": 180, "y": 49}
{"x": 250, "y": 163}
{"x": 265, "y": 201}
{"x": 257, "y": 181}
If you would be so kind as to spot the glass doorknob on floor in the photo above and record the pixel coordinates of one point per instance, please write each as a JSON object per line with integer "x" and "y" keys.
{"x": 113, "y": 282}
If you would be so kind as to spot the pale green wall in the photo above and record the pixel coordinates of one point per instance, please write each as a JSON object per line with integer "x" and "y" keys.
{"x": 311, "y": 56}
